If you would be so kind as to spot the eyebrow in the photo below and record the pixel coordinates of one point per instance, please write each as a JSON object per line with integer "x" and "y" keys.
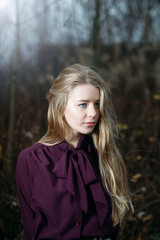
{"x": 86, "y": 100}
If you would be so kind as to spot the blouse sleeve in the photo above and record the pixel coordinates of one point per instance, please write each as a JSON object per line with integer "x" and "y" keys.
{"x": 24, "y": 194}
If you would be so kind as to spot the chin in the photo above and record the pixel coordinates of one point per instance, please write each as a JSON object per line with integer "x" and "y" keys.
{"x": 89, "y": 131}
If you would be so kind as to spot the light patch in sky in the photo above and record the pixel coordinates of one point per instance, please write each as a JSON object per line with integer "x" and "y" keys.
{"x": 3, "y": 3}
{"x": 7, "y": 8}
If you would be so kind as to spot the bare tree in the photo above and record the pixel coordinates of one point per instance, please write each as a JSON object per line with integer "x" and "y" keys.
{"x": 96, "y": 33}
{"x": 136, "y": 20}
{"x": 13, "y": 87}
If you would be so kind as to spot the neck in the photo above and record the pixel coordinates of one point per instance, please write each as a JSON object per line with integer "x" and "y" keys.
{"x": 73, "y": 140}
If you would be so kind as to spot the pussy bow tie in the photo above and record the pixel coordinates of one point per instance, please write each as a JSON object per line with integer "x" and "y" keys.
{"x": 75, "y": 165}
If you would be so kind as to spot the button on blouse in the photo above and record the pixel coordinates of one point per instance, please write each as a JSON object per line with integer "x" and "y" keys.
{"x": 77, "y": 224}
{"x": 60, "y": 187}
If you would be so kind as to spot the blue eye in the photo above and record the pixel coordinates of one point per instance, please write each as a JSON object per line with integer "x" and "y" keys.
{"x": 97, "y": 104}
{"x": 82, "y": 105}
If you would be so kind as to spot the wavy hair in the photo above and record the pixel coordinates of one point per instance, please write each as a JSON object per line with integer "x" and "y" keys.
{"x": 111, "y": 164}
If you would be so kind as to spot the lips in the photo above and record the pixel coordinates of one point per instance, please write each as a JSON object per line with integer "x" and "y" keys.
{"x": 90, "y": 124}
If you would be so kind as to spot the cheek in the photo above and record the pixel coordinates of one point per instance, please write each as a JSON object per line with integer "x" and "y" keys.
{"x": 70, "y": 112}
{"x": 77, "y": 115}
{"x": 71, "y": 115}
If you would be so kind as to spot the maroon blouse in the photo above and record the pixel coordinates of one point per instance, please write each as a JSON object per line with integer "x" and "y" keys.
{"x": 61, "y": 194}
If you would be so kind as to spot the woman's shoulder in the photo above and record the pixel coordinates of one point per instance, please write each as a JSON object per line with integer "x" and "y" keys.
{"x": 40, "y": 152}
{"x": 31, "y": 148}
{"x": 29, "y": 151}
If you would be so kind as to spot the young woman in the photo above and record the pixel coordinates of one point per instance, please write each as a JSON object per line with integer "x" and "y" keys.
{"x": 73, "y": 184}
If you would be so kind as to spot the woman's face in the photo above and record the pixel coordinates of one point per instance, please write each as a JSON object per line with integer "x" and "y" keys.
{"x": 82, "y": 110}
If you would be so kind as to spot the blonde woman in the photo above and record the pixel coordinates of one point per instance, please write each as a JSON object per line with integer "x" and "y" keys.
{"x": 73, "y": 184}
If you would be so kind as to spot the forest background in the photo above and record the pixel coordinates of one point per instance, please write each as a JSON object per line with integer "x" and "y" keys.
{"x": 121, "y": 38}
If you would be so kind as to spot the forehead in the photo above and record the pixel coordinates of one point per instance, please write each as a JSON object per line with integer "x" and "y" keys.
{"x": 85, "y": 91}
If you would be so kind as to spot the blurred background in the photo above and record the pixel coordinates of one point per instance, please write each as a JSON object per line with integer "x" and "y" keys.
{"x": 121, "y": 38}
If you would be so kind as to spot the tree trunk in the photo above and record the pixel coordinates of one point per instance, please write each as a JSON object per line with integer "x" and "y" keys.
{"x": 96, "y": 34}
{"x": 13, "y": 87}
{"x": 147, "y": 22}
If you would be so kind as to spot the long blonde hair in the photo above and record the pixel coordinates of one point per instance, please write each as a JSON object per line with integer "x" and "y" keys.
{"x": 112, "y": 167}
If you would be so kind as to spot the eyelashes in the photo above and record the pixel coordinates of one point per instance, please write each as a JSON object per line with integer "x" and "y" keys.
{"x": 97, "y": 104}
{"x": 84, "y": 105}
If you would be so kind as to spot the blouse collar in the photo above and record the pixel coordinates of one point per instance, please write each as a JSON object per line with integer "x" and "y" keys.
{"x": 83, "y": 143}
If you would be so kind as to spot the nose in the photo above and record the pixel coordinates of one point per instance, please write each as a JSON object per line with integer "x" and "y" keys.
{"x": 92, "y": 111}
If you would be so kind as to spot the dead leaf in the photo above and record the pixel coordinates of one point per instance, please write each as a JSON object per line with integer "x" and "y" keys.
{"x": 148, "y": 217}
{"x": 156, "y": 96}
{"x": 136, "y": 177}
{"x": 140, "y": 215}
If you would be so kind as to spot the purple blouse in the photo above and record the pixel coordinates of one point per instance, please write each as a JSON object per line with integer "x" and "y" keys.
{"x": 61, "y": 194}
